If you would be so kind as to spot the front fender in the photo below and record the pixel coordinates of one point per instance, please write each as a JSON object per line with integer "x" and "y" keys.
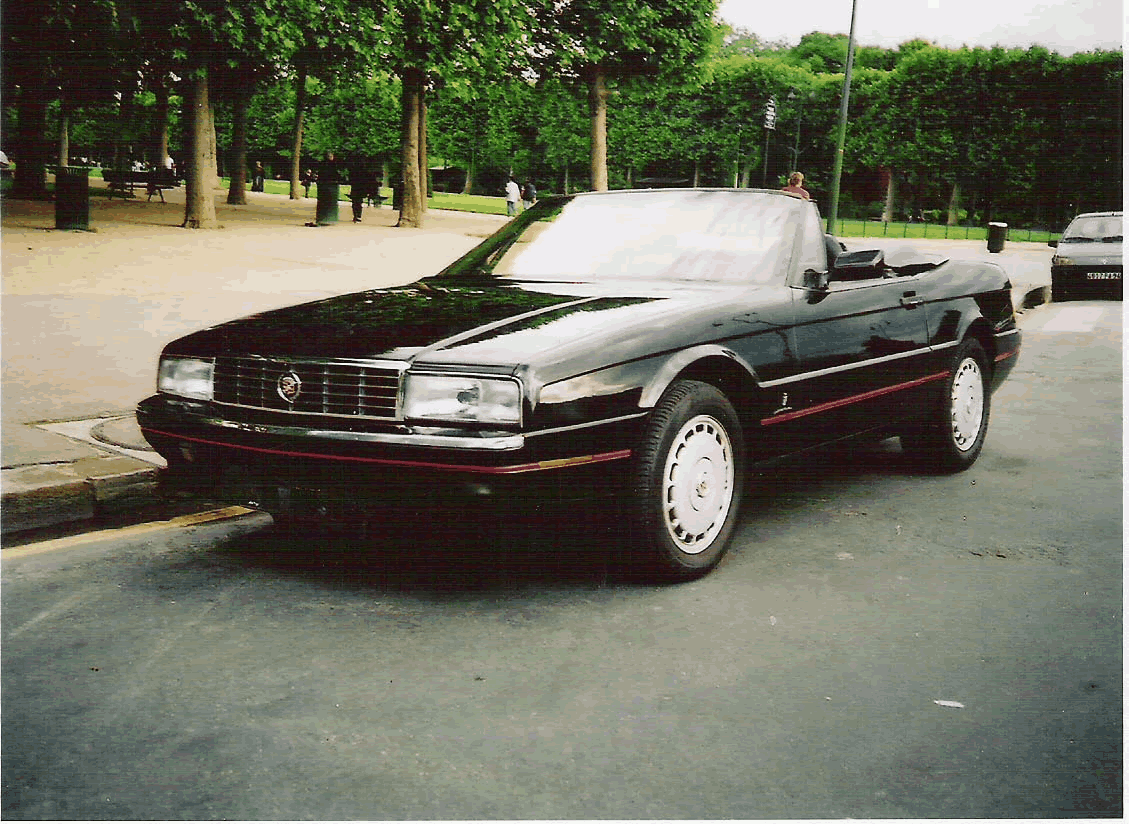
{"x": 680, "y": 361}
{"x": 626, "y": 389}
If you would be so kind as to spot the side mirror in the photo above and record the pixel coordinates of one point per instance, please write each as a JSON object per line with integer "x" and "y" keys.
{"x": 1053, "y": 243}
{"x": 817, "y": 281}
{"x": 859, "y": 265}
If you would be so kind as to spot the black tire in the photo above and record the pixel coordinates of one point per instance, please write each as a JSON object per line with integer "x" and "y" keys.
{"x": 689, "y": 477}
{"x": 956, "y": 422}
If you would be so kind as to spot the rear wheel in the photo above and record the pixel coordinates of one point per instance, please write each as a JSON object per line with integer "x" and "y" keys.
{"x": 952, "y": 435}
{"x": 689, "y": 475}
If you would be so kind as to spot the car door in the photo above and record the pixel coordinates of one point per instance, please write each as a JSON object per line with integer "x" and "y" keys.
{"x": 861, "y": 346}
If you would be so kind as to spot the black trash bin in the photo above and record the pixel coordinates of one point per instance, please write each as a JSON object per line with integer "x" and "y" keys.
{"x": 997, "y": 234}
{"x": 72, "y": 197}
{"x": 328, "y": 194}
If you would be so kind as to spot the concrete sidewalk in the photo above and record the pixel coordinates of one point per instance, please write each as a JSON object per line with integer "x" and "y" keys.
{"x": 85, "y": 316}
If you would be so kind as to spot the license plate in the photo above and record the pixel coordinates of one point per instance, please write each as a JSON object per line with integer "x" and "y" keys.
{"x": 1103, "y": 276}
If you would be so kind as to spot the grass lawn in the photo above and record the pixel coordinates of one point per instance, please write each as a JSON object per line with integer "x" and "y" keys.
{"x": 874, "y": 228}
{"x": 440, "y": 200}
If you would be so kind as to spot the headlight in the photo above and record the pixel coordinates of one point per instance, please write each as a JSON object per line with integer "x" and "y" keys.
{"x": 187, "y": 377}
{"x": 462, "y": 399}
{"x": 1058, "y": 260}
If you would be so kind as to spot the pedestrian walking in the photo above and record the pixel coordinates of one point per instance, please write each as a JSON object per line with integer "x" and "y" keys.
{"x": 796, "y": 186}
{"x": 308, "y": 178}
{"x": 258, "y": 177}
{"x": 513, "y": 195}
{"x": 528, "y": 194}
{"x": 359, "y": 186}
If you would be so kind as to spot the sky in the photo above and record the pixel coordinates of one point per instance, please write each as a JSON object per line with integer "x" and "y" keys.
{"x": 1063, "y": 26}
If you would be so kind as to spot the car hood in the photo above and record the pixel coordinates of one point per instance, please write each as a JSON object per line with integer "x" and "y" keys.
{"x": 498, "y": 323}
{"x": 1091, "y": 254}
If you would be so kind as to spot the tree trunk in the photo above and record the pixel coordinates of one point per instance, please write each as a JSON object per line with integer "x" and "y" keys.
{"x": 954, "y": 205}
{"x": 468, "y": 181}
{"x": 296, "y": 136}
{"x": 598, "y": 112}
{"x": 891, "y": 198}
{"x": 697, "y": 173}
{"x": 566, "y": 181}
{"x": 213, "y": 145}
{"x": 237, "y": 190}
{"x": 64, "y": 133}
{"x": 411, "y": 211}
{"x": 30, "y": 179}
{"x": 199, "y": 203}
{"x": 161, "y": 128}
{"x": 424, "y": 171}
{"x": 123, "y": 149}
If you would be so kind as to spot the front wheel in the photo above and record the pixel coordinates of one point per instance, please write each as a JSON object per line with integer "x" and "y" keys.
{"x": 689, "y": 474}
{"x": 952, "y": 434}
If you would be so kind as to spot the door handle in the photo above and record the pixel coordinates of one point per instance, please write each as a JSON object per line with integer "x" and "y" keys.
{"x": 910, "y": 300}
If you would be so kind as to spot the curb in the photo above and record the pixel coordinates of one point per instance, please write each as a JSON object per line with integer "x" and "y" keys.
{"x": 1028, "y": 297}
{"x": 43, "y": 495}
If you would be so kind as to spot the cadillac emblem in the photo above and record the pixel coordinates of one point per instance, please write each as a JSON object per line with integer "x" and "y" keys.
{"x": 289, "y": 387}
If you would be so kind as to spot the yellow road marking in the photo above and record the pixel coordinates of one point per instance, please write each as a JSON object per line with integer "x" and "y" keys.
{"x": 126, "y": 532}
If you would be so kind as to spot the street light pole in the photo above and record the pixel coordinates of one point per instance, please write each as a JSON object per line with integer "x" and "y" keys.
{"x": 795, "y": 150}
{"x": 833, "y": 213}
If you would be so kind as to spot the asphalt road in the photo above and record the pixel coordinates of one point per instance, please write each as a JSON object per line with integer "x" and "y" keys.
{"x": 879, "y": 644}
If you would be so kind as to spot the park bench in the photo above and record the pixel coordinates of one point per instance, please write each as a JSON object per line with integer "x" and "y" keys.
{"x": 123, "y": 182}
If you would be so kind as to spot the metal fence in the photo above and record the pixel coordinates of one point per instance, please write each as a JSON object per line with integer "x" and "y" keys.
{"x": 934, "y": 231}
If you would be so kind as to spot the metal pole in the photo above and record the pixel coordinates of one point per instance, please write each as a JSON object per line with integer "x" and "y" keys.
{"x": 764, "y": 173}
{"x": 799, "y": 122}
{"x": 833, "y": 213}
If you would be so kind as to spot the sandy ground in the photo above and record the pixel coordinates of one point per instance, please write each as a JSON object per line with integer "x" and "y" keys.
{"x": 85, "y": 313}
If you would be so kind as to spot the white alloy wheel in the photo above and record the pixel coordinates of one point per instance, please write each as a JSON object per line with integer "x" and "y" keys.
{"x": 698, "y": 484}
{"x": 967, "y": 404}
{"x": 952, "y": 424}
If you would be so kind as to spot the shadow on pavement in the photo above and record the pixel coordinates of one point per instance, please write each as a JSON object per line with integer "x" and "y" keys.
{"x": 481, "y": 546}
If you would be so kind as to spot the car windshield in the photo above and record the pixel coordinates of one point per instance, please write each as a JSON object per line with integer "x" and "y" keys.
{"x": 1095, "y": 229}
{"x": 700, "y": 235}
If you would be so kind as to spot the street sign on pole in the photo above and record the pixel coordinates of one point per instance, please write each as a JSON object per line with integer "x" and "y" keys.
{"x": 770, "y": 113}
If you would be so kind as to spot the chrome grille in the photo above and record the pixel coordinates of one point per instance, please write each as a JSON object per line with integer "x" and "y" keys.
{"x": 327, "y": 387}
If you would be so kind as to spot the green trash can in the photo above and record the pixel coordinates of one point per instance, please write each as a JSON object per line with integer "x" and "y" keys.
{"x": 72, "y": 197}
{"x": 997, "y": 234}
{"x": 328, "y": 194}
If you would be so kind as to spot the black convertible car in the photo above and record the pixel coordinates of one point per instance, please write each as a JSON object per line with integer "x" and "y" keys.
{"x": 648, "y": 345}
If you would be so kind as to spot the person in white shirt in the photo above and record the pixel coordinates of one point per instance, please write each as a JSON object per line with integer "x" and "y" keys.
{"x": 513, "y": 195}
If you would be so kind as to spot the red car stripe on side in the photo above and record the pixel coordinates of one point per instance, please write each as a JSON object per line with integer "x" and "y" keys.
{"x": 865, "y": 396}
{"x": 512, "y": 469}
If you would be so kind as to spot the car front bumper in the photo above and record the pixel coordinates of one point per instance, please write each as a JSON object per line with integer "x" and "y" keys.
{"x": 1083, "y": 282}
{"x": 211, "y": 453}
